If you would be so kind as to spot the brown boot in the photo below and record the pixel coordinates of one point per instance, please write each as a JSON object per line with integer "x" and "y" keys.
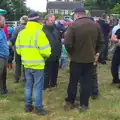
{"x": 69, "y": 106}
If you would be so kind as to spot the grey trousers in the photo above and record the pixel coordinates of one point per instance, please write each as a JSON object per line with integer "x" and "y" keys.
{"x": 18, "y": 67}
{"x": 95, "y": 81}
{"x": 3, "y": 73}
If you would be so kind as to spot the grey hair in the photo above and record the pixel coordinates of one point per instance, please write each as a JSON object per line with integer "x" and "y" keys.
{"x": 47, "y": 16}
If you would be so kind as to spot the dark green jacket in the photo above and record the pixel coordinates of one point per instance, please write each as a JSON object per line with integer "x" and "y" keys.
{"x": 83, "y": 40}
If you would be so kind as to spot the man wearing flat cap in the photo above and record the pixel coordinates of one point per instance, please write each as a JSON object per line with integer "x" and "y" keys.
{"x": 83, "y": 42}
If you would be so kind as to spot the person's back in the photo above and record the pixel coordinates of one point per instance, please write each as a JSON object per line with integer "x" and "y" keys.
{"x": 26, "y": 36}
{"x": 83, "y": 42}
{"x": 16, "y": 32}
{"x": 34, "y": 47}
{"x": 85, "y": 37}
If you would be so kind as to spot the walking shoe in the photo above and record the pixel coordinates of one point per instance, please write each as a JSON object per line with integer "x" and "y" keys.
{"x": 41, "y": 112}
{"x": 69, "y": 106}
{"x": 116, "y": 82}
{"x": 83, "y": 108}
{"x": 2, "y": 92}
{"x": 118, "y": 86}
{"x": 94, "y": 97}
{"x": 5, "y": 91}
{"x": 28, "y": 108}
{"x": 16, "y": 81}
{"x": 53, "y": 88}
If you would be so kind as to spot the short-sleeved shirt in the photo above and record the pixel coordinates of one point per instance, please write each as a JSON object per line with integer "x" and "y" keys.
{"x": 115, "y": 29}
{"x": 118, "y": 33}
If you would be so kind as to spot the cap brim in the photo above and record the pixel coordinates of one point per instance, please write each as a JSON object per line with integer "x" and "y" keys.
{"x": 86, "y": 12}
{"x": 37, "y": 19}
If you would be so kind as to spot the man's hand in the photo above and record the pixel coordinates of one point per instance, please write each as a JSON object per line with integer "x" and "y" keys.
{"x": 118, "y": 43}
{"x": 62, "y": 40}
{"x": 96, "y": 59}
{"x": 9, "y": 43}
{"x": 114, "y": 39}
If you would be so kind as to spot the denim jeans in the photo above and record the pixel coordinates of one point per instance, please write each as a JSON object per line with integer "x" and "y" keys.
{"x": 63, "y": 62}
{"x": 34, "y": 80}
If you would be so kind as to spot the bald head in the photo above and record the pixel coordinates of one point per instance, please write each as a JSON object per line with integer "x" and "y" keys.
{"x": 2, "y": 21}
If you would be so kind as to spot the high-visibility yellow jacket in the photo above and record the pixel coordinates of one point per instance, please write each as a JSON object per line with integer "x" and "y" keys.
{"x": 33, "y": 46}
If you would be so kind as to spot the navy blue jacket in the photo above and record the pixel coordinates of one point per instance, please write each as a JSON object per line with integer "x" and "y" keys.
{"x": 105, "y": 28}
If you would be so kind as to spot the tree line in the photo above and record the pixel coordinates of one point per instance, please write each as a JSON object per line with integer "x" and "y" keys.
{"x": 15, "y": 8}
{"x": 108, "y": 5}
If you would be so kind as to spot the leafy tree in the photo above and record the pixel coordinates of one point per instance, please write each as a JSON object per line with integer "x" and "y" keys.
{"x": 106, "y": 4}
{"x": 101, "y": 4}
{"x": 116, "y": 9}
{"x": 90, "y": 4}
{"x": 15, "y": 8}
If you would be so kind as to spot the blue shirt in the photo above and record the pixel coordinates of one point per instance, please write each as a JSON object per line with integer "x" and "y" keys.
{"x": 4, "y": 49}
{"x": 10, "y": 32}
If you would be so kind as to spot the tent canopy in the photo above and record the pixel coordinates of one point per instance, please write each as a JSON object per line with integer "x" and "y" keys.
{"x": 2, "y": 11}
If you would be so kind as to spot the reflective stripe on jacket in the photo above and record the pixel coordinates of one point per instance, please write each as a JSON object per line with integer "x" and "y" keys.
{"x": 33, "y": 46}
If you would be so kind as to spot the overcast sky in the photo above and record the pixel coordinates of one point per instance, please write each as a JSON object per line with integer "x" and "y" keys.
{"x": 39, "y": 5}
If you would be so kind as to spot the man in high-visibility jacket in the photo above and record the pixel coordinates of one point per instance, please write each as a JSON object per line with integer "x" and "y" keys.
{"x": 33, "y": 46}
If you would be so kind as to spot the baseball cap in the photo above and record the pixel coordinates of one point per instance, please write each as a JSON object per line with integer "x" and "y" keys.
{"x": 78, "y": 9}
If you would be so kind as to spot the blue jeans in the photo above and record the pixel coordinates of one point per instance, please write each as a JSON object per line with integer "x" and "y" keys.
{"x": 63, "y": 62}
{"x": 34, "y": 80}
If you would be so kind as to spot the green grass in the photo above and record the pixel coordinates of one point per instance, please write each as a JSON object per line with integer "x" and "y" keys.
{"x": 107, "y": 107}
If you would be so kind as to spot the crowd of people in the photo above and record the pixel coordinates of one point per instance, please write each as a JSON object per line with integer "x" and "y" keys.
{"x": 41, "y": 50}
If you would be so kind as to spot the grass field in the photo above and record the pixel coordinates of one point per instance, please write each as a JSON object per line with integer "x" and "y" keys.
{"x": 107, "y": 107}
